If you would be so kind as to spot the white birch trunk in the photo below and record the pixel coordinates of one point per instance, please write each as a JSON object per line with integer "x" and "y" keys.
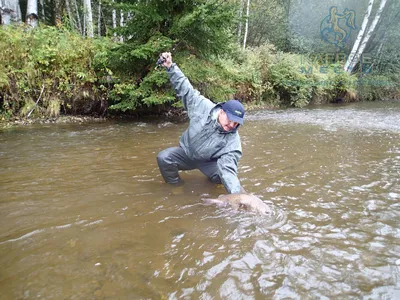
{"x": 368, "y": 35}
{"x": 99, "y": 20}
{"x": 246, "y": 31}
{"x": 114, "y": 19}
{"x": 32, "y": 13}
{"x": 359, "y": 37}
{"x": 129, "y": 19}
{"x": 121, "y": 24}
{"x": 10, "y": 11}
{"x": 88, "y": 18}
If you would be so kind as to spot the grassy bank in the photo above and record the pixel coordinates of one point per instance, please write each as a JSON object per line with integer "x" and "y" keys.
{"x": 50, "y": 72}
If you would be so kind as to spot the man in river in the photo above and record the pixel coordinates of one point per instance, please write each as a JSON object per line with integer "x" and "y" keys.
{"x": 211, "y": 143}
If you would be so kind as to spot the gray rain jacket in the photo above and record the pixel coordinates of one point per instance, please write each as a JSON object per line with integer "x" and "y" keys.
{"x": 205, "y": 139}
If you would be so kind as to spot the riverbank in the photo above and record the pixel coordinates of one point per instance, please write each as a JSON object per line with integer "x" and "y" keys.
{"x": 58, "y": 120}
{"x": 172, "y": 114}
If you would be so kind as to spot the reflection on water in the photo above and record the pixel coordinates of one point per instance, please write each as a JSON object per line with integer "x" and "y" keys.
{"x": 84, "y": 213}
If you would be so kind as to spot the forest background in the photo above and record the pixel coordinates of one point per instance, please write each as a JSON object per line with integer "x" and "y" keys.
{"x": 97, "y": 57}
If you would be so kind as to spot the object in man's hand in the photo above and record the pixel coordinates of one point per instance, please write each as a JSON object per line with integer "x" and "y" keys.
{"x": 160, "y": 61}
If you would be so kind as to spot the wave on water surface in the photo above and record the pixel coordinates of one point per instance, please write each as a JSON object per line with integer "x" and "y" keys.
{"x": 357, "y": 116}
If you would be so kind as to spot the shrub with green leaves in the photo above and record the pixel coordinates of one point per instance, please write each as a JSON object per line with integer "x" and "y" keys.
{"x": 53, "y": 68}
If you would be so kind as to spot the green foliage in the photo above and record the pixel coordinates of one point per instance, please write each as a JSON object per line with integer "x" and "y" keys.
{"x": 29, "y": 106}
{"x": 53, "y": 109}
{"x": 268, "y": 24}
{"x": 276, "y": 78}
{"x": 204, "y": 27}
{"x": 51, "y": 59}
{"x": 382, "y": 87}
{"x": 136, "y": 59}
{"x": 210, "y": 77}
{"x": 201, "y": 28}
{"x": 292, "y": 86}
{"x": 70, "y": 74}
{"x": 128, "y": 96}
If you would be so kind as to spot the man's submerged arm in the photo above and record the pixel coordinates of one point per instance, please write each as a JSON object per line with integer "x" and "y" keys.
{"x": 227, "y": 165}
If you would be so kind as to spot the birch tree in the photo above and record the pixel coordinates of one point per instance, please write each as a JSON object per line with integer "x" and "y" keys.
{"x": 121, "y": 24}
{"x": 114, "y": 20}
{"x": 98, "y": 20}
{"x": 130, "y": 19}
{"x": 32, "y": 13}
{"x": 88, "y": 18}
{"x": 246, "y": 31}
{"x": 367, "y": 37}
{"x": 10, "y": 11}
{"x": 359, "y": 36}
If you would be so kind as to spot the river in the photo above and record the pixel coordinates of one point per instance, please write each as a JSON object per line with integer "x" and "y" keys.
{"x": 84, "y": 213}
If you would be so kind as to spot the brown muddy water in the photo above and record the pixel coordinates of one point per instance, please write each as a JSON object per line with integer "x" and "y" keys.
{"x": 84, "y": 213}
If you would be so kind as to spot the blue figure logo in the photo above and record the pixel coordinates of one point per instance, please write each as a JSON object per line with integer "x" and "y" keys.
{"x": 336, "y": 28}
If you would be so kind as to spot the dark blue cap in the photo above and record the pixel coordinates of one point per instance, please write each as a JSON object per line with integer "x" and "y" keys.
{"x": 235, "y": 111}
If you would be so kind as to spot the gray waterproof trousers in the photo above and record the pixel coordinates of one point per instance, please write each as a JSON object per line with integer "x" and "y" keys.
{"x": 172, "y": 160}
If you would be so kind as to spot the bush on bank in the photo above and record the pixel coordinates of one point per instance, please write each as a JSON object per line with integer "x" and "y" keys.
{"x": 51, "y": 71}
